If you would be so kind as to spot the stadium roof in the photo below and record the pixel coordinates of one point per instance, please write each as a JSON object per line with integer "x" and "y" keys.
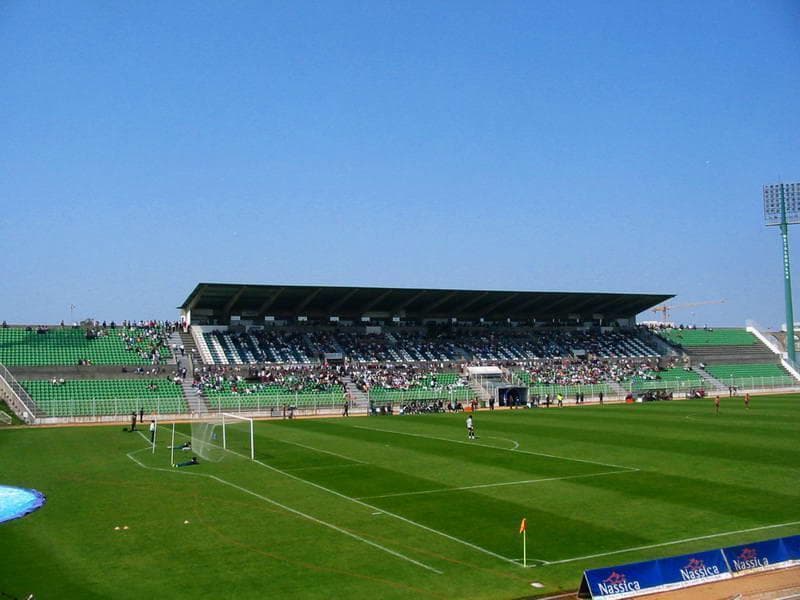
{"x": 321, "y": 302}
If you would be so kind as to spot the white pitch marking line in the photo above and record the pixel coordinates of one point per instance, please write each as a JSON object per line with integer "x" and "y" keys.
{"x": 693, "y": 539}
{"x": 359, "y": 464}
{"x": 386, "y": 512}
{"x": 146, "y": 439}
{"x": 355, "y": 460}
{"x": 491, "y": 485}
{"x": 376, "y": 508}
{"x": 432, "y": 437}
{"x": 515, "y": 442}
{"x": 529, "y": 559}
{"x": 288, "y": 509}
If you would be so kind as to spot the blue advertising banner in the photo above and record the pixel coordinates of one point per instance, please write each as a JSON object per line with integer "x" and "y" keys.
{"x": 758, "y": 555}
{"x": 792, "y": 545}
{"x": 625, "y": 581}
{"x": 699, "y": 567}
{"x": 664, "y": 573}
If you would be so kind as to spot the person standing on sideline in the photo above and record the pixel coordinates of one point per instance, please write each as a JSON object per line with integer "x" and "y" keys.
{"x": 346, "y": 411}
{"x": 141, "y": 414}
{"x": 470, "y": 428}
{"x": 716, "y": 404}
{"x": 133, "y": 421}
{"x": 747, "y": 400}
{"x": 152, "y": 431}
{"x": 601, "y": 398}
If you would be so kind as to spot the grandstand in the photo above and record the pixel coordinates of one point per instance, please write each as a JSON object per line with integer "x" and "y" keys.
{"x": 266, "y": 350}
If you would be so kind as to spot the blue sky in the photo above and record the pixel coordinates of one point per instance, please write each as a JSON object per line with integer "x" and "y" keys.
{"x": 579, "y": 146}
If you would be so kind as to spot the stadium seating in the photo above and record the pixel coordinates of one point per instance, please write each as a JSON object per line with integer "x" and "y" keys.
{"x": 106, "y": 397}
{"x": 505, "y": 346}
{"x": 285, "y": 346}
{"x": 708, "y": 337}
{"x": 20, "y": 346}
{"x": 729, "y": 373}
{"x": 257, "y": 347}
{"x": 248, "y": 396}
{"x": 540, "y": 388}
{"x": 439, "y": 386}
{"x": 674, "y": 378}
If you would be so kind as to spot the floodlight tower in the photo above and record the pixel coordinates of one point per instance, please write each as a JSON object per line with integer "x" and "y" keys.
{"x": 782, "y": 207}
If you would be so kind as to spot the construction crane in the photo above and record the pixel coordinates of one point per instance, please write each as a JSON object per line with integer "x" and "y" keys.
{"x": 665, "y": 308}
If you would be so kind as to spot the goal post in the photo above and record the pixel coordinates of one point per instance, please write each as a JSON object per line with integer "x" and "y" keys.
{"x": 237, "y": 435}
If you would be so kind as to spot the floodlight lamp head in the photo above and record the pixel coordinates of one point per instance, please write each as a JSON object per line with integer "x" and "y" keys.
{"x": 781, "y": 204}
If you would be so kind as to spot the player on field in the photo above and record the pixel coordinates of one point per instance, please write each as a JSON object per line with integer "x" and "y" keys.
{"x": 470, "y": 428}
{"x": 747, "y": 401}
{"x": 716, "y": 404}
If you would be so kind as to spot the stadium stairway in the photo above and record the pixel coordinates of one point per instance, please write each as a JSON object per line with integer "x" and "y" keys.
{"x": 190, "y": 360}
{"x": 17, "y": 398}
{"x": 712, "y": 384}
{"x": 358, "y": 398}
{"x": 195, "y": 402}
{"x": 616, "y": 389}
{"x": 662, "y": 346}
{"x": 480, "y": 391}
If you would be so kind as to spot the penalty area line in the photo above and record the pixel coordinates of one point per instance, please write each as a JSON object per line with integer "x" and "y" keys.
{"x": 287, "y": 509}
{"x": 492, "y": 485}
{"x": 384, "y": 511}
{"x": 377, "y": 508}
{"x": 683, "y": 541}
{"x": 355, "y": 460}
{"x": 441, "y": 439}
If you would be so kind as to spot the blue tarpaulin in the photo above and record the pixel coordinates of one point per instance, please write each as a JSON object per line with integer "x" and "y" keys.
{"x": 16, "y": 502}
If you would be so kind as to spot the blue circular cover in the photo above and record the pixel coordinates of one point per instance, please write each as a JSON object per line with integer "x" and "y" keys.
{"x": 17, "y": 502}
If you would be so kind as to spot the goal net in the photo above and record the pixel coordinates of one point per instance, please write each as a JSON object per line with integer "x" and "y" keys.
{"x": 217, "y": 435}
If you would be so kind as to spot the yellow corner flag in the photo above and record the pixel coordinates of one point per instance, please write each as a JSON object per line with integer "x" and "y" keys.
{"x": 523, "y": 528}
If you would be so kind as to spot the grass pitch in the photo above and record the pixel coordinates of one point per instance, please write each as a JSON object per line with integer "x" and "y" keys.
{"x": 393, "y": 507}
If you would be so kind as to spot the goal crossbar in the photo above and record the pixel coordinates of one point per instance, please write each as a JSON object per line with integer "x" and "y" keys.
{"x": 227, "y": 418}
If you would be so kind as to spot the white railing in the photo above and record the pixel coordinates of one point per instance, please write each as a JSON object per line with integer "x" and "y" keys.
{"x": 765, "y": 338}
{"x": 202, "y": 347}
{"x": 24, "y": 403}
{"x": 463, "y": 394}
{"x": 612, "y": 390}
{"x": 792, "y": 367}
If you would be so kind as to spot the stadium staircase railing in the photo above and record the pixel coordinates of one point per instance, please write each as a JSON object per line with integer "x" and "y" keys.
{"x": 202, "y": 347}
{"x": 713, "y": 383}
{"x": 477, "y": 385}
{"x": 17, "y": 397}
{"x": 764, "y": 337}
{"x": 771, "y": 342}
{"x": 358, "y": 398}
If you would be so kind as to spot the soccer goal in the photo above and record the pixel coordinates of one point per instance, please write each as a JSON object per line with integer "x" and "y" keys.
{"x": 237, "y": 435}
{"x": 216, "y": 435}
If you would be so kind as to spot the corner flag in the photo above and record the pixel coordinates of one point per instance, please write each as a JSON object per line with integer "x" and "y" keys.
{"x": 523, "y": 527}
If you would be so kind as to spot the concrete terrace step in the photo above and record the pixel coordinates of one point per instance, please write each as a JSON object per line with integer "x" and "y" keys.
{"x": 711, "y": 382}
